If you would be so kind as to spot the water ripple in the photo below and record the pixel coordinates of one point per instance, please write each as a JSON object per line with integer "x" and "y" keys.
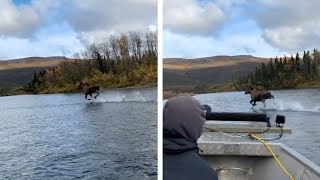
{"x": 64, "y": 137}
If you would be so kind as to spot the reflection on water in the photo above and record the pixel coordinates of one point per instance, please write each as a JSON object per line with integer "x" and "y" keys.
{"x": 93, "y": 106}
{"x": 64, "y": 136}
{"x": 301, "y": 108}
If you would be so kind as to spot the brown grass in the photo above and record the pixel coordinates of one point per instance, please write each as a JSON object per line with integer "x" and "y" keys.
{"x": 206, "y": 64}
{"x": 30, "y": 62}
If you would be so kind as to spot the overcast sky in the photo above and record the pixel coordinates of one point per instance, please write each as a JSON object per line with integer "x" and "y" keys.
{"x": 265, "y": 28}
{"x": 192, "y": 28}
{"x": 64, "y": 27}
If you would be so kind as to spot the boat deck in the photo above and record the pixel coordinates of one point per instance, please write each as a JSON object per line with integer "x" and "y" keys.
{"x": 226, "y": 144}
{"x": 238, "y": 154}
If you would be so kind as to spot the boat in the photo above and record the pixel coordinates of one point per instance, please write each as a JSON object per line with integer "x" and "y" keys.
{"x": 242, "y": 151}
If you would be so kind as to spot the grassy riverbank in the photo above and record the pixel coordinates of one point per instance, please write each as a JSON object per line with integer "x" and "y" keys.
{"x": 66, "y": 88}
{"x": 12, "y": 90}
{"x": 228, "y": 87}
{"x": 144, "y": 75}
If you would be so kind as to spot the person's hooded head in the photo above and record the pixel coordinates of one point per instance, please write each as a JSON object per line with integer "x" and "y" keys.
{"x": 183, "y": 117}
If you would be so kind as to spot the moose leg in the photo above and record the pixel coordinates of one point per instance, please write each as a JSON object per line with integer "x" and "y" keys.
{"x": 86, "y": 96}
{"x": 253, "y": 104}
{"x": 96, "y": 95}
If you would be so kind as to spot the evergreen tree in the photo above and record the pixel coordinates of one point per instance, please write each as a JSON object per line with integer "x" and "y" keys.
{"x": 284, "y": 72}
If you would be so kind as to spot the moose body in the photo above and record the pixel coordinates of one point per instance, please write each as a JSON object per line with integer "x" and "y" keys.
{"x": 89, "y": 89}
{"x": 259, "y": 96}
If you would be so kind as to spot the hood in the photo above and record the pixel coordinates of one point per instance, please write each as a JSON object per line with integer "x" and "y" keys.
{"x": 175, "y": 146}
{"x": 183, "y": 118}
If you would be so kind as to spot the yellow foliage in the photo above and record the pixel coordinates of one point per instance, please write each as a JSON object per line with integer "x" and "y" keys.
{"x": 145, "y": 74}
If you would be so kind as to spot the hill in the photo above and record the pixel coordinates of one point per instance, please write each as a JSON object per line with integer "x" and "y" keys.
{"x": 187, "y": 75}
{"x": 20, "y": 71}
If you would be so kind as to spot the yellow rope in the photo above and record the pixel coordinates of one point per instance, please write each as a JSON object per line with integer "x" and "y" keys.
{"x": 269, "y": 148}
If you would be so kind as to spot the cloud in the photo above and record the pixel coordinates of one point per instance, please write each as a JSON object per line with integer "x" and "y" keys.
{"x": 46, "y": 46}
{"x": 23, "y": 20}
{"x": 96, "y": 18}
{"x": 289, "y": 25}
{"x": 26, "y": 29}
{"x": 293, "y": 38}
{"x": 229, "y": 3}
{"x": 249, "y": 50}
{"x": 192, "y": 17}
{"x": 180, "y": 45}
{"x": 262, "y": 28}
{"x": 17, "y": 21}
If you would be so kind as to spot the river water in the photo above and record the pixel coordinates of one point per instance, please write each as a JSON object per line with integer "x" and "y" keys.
{"x": 301, "y": 108}
{"x": 64, "y": 136}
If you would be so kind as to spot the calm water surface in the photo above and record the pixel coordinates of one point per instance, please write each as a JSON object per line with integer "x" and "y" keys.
{"x": 301, "y": 108}
{"x": 64, "y": 136}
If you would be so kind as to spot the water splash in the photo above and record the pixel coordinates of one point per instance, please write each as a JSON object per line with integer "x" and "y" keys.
{"x": 280, "y": 105}
{"x": 116, "y": 98}
{"x": 136, "y": 96}
{"x": 140, "y": 97}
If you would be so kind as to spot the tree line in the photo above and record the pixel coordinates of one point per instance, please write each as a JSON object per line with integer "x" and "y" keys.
{"x": 128, "y": 59}
{"x": 284, "y": 72}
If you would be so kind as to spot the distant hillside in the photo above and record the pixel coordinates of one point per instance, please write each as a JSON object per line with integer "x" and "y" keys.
{"x": 20, "y": 71}
{"x": 186, "y": 74}
{"x": 31, "y": 62}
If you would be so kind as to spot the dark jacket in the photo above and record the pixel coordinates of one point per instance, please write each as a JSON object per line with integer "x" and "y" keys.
{"x": 183, "y": 123}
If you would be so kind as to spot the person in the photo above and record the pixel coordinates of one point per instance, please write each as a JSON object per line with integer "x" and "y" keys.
{"x": 183, "y": 120}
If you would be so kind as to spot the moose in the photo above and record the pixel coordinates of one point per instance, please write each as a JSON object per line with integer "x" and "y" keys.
{"x": 258, "y": 95}
{"x": 89, "y": 89}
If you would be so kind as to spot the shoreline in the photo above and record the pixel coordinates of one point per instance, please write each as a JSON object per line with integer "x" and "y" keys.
{"x": 135, "y": 87}
{"x": 103, "y": 88}
{"x": 169, "y": 93}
